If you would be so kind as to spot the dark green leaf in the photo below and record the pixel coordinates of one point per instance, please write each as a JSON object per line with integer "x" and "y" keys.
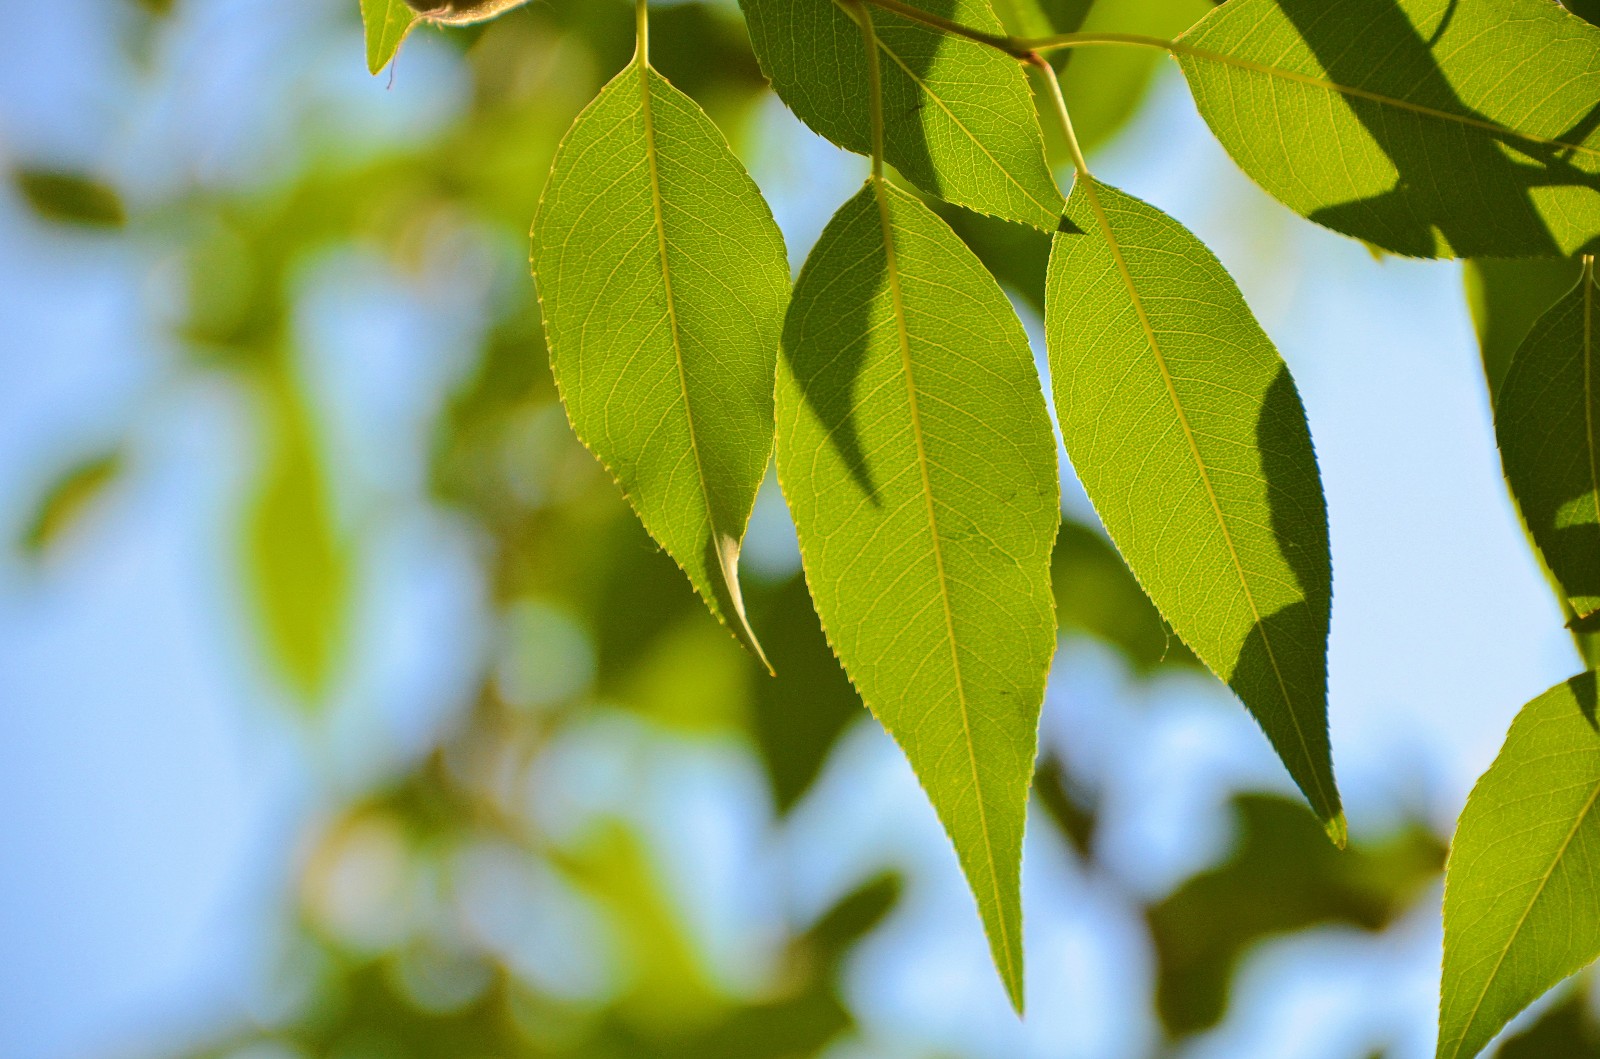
{"x": 71, "y": 198}
{"x": 69, "y": 499}
{"x": 1546, "y": 423}
{"x": 1506, "y": 297}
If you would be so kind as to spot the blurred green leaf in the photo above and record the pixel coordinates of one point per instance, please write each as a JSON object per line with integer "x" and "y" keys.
{"x": 1096, "y": 595}
{"x": 1040, "y": 18}
{"x": 1567, "y": 1031}
{"x": 71, "y": 198}
{"x": 69, "y": 499}
{"x": 1068, "y": 805}
{"x": 1106, "y": 86}
{"x": 801, "y": 712}
{"x": 1189, "y": 437}
{"x": 1522, "y": 890}
{"x": 1418, "y": 146}
{"x": 647, "y": 210}
{"x": 915, "y": 452}
{"x": 1282, "y": 876}
{"x": 960, "y": 121}
{"x": 297, "y": 565}
{"x": 1545, "y": 424}
{"x": 386, "y": 22}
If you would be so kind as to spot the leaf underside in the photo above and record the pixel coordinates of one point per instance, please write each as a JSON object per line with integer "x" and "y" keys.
{"x": 1190, "y": 439}
{"x": 915, "y": 451}
{"x": 386, "y": 22}
{"x": 959, "y": 120}
{"x": 1522, "y": 890}
{"x": 1430, "y": 128}
{"x": 1546, "y": 421}
{"x": 663, "y": 280}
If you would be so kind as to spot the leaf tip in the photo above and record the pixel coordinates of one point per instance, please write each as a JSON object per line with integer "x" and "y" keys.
{"x": 732, "y": 606}
{"x": 1337, "y": 829}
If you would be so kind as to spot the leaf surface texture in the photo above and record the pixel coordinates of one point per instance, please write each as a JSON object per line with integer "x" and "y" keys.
{"x": 915, "y": 451}
{"x": 1190, "y": 439}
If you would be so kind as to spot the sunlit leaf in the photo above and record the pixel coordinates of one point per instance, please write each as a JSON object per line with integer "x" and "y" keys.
{"x": 1546, "y": 421}
{"x": 915, "y": 451}
{"x": 1096, "y": 595}
{"x": 959, "y": 119}
{"x": 1522, "y": 890}
{"x": 663, "y": 280}
{"x": 1431, "y": 128}
{"x": 387, "y": 22}
{"x": 1189, "y": 437}
{"x": 71, "y": 198}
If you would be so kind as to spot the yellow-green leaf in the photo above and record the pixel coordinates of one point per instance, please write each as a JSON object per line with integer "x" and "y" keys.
{"x": 1189, "y": 437}
{"x": 663, "y": 280}
{"x": 1522, "y": 889}
{"x": 386, "y": 22}
{"x": 1432, "y": 128}
{"x": 915, "y": 451}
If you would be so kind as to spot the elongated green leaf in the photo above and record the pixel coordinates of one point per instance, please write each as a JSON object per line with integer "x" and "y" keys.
{"x": 1190, "y": 439}
{"x": 387, "y": 22}
{"x": 1522, "y": 889}
{"x": 663, "y": 280}
{"x": 1547, "y": 421}
{"x": 1431, "y": 128}
{"x": 71, "y": 198}
{"x": 959, "y": 119}
{"x": 297, "y": 562}
{"x": 915, "y": 451}
{"x": 69, "y": 499}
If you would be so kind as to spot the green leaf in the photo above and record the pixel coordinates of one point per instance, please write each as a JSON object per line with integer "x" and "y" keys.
{"x": 1431, "y": 128}
{"x": 1522, "y": 889}
{"x": 71, "y": 198}
{"x": 387, "y": 22}
{"x": 1506, "y": 296}
{"x": 69, "y": 499}
{"x": 1189, "y": 437}
{"x": 663, "y": 280}
{"x": 959, "y": 120}
{"x": 1546, "y": 422}
{"x": 297, "y": 564}
{"x": 1107, "y": 85}
{"x": 915, "y": 451}
{"x": 1282, "y": 877}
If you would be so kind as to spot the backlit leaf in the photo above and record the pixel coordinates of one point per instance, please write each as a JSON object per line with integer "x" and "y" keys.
{"x": 663, "y": 280}
{"x": 1189, "y": 437}
{"x": 386, "y": 22}
{"x": 1432, "y": 128}
{"x": 1546, "y": 421}
{"x": 1522, "y": 889}
{"x": 1506, "y": 296}
{"x": 915, "y": 451}
{"x": 959, "y": 119}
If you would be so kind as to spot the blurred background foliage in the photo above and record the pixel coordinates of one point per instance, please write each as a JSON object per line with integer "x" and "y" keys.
{"x": 442, "y": 902}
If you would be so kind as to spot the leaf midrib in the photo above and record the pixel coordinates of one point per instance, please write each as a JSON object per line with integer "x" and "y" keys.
{"x": 1555, "y": 862}
{"x": 881, "y": 195}
{"x": 738, "y": 622}
{"x": 1178, "y": 47}
{"x": 1092, "y": 193}
{"x": 1588, "y": 389}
